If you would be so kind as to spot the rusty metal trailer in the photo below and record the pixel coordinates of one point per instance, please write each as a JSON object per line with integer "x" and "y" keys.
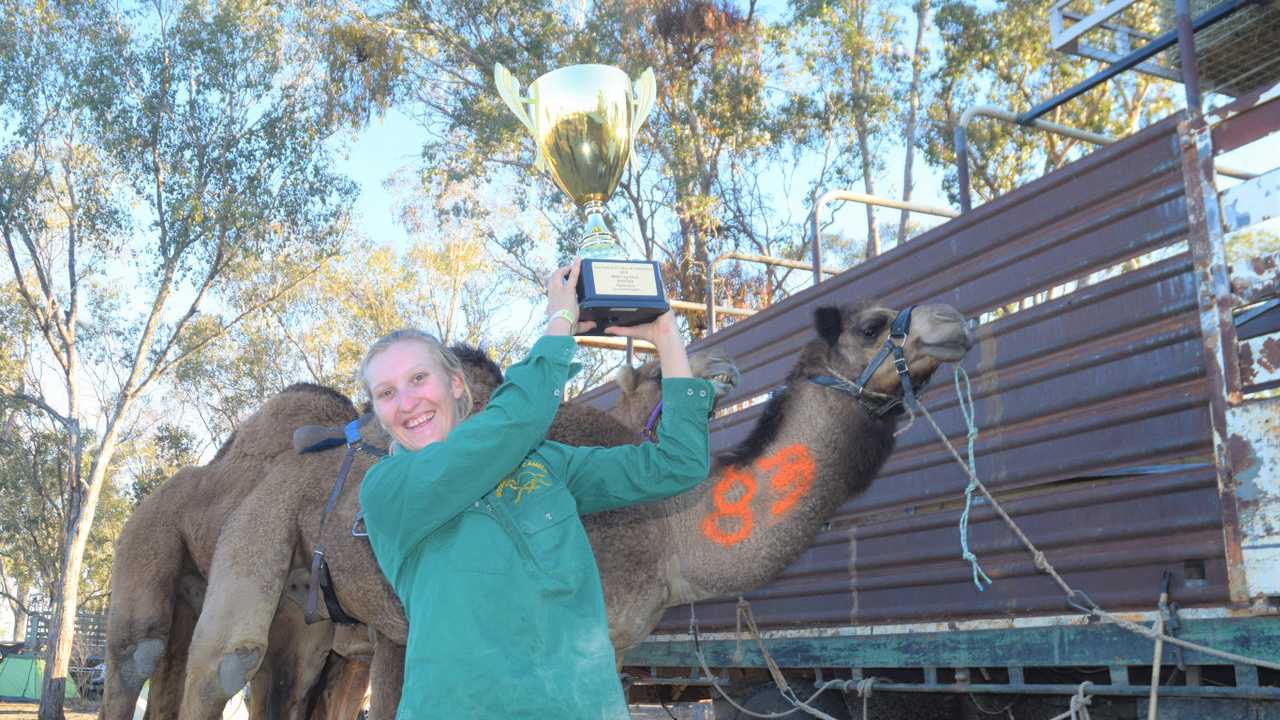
{"x": 1126, "y": 425}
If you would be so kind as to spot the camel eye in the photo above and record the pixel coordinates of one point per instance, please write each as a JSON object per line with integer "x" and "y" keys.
{"x": 873, "y": 329}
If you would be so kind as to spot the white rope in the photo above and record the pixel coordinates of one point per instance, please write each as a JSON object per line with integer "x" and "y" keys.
{"x": 1075, "y": 596}
{"x": 783, "y": 688}
{"x": 965, "y": 400}
{"x": 1079, "y": 708}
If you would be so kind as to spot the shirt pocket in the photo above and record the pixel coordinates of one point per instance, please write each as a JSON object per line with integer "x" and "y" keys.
{"x": 548, "y": 523}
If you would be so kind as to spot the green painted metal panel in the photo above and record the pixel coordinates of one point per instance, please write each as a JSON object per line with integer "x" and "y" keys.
{"x": 1064, "y": 645}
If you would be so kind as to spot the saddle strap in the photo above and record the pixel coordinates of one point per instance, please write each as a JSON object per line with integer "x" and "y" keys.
{"x": 318, "y": 564}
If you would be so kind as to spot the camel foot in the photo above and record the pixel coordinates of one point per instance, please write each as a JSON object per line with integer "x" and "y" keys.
{"x": 141, "y": 663}
{"x": 237, "y": 667}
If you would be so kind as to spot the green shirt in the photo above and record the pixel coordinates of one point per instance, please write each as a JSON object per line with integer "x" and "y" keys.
{"x": 480, "y": 536}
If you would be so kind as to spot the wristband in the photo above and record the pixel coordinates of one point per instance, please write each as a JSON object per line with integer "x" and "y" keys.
{"x": 566, "y": 314}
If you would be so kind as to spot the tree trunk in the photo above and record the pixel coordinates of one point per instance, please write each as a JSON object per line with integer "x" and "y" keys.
{"x": 868, "y": 183}
{"x": 913, "y": 110}
{"x": 62, "y": 630}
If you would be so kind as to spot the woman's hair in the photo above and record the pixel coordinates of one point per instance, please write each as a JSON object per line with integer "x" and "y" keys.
{"x": 438, "y": 351}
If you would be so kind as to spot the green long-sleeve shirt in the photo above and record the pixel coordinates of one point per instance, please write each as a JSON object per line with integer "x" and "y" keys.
{"x": 480, "y": 536}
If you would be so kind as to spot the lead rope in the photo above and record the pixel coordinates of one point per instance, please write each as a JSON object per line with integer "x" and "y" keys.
{"x": 774, "y": 671}
{"x": 965, "y": 399}
{"x": 1077, "y": 598}
{"x": 1079, "y": 708}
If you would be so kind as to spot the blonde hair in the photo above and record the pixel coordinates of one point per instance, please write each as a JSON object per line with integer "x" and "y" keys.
{"x": 442, "y": 355}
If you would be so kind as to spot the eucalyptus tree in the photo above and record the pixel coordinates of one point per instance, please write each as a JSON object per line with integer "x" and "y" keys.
{"x": 694, "y": 188}
{"x": 1000, "y": 55}
{"x": 151, "y": 151}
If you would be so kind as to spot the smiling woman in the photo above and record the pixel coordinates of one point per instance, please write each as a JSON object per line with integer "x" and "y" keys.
{"x": 416, "y": 386}
{"x": 475, "y": 521}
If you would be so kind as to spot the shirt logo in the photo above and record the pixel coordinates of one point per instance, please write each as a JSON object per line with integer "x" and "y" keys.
{"x": 527, "y": 478}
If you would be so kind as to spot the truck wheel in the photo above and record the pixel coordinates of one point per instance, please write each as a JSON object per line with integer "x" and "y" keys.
{"x": 768, "y": 699}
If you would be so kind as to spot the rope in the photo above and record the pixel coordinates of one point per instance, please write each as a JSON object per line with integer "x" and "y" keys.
{"x": 965, "y": 399}
{"x": 778, "y": 679}
{"x": 1077, "y": 598}
{"x": 1079, "y": 708}
{"x": 864, "y": 688}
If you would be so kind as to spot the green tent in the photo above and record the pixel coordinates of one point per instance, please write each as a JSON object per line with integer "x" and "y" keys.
{"x": 22, "y": 677}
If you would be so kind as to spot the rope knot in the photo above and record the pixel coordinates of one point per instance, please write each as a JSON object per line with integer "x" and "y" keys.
{"x": 865, "y": 686}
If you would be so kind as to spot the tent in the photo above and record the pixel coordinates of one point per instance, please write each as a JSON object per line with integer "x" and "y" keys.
{"x": 22, "y": 678}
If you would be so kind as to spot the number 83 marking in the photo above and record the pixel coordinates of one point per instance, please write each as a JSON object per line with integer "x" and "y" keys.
{"x": 790, "y": 471}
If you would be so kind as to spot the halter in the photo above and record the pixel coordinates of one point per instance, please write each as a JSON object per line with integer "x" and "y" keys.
{"x": 649, "y": 431}
{"x": 879, "y": 404}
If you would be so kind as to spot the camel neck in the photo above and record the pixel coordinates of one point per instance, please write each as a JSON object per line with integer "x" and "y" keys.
{"x": 763, "y": 505}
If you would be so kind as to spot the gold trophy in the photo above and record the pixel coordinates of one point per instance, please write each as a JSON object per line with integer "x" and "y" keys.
{"x": 584, "y": 120}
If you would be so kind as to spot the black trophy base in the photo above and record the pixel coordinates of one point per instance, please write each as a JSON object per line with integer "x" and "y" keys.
{"x": 619, "y": 292}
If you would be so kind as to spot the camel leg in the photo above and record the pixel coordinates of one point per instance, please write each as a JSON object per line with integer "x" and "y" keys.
{"x": 294, "y": 661}
{"x": 164, "y": 696}
{"x": 250, "y": 568}
{"x": 344, "y": 689}
{"x": 386, "y": 678}
{"x": 145, "y": 571}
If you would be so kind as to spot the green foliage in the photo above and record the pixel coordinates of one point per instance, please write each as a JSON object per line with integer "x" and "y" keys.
{"x": 155, "y": 157}
{"x": 33, "y": 504}
{"x": 999, "y": 55}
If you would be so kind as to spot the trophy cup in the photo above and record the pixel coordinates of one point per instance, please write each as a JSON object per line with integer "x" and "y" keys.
{"x": 584, "y": 120}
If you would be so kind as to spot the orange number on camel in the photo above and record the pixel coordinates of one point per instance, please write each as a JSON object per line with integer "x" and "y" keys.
{"x": 793, "y": 470}
{"x": 738, "y": 511}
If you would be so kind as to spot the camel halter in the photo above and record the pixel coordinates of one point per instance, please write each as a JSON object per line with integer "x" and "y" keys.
{"x": 650, "y": 429}
{"x": 879, "y": 404}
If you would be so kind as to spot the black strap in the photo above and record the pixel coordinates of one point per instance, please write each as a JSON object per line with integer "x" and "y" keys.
{"x": 858, "y": 388}
{"x": 318, "y": 565}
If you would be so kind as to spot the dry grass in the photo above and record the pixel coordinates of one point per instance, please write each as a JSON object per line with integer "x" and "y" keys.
{"x": 75, "y": 710}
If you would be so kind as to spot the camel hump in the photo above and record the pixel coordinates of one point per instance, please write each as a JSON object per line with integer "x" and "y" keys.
{"x": 269, "y": 430}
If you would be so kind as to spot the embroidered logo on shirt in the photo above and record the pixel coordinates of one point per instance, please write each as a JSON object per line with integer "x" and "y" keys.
{"x": 527, "y": 478}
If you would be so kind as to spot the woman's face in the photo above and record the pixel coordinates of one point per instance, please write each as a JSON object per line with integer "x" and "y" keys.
{"x": 413, "y": 397}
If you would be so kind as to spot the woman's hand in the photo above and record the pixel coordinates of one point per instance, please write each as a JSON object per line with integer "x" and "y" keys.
{"x": 562, "y": 301}
{"x": 665, "y": 336}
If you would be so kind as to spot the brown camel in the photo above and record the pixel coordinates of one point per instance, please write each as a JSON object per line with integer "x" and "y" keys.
{"x": 163, "y": 556}
{"x": 164, "y": 553}
{"x": 765, "y": 500}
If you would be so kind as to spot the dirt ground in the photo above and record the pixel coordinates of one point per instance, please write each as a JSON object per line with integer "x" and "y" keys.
{"x": 77, "y": 710}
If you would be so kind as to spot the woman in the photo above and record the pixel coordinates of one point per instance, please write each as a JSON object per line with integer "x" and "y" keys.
{"x": 476, "y": 524}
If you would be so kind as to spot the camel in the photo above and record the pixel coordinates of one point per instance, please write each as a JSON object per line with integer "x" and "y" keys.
{"x": 812, "y": 448}
{"x": 165, "y": 551}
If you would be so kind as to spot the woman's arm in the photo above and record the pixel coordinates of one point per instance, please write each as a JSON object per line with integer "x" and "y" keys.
{"x": 604, "y": 478}
{"x": 607, "y": 478}
{"x": 410, "y": 494}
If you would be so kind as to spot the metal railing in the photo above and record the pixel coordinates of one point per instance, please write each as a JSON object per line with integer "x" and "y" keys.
{"x": 996, "y": 113}
{"x": 872, "y": 250}
{"x": 711, "y": 308}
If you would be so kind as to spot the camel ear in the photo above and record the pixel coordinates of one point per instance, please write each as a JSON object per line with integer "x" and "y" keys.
{"x": 830, "y": 323}
{"x": 627, "y": 379}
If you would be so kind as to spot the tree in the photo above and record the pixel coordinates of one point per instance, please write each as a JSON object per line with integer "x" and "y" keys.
{"x": 694, "y": 189}
{"x": 999, "y": 56}
{"x": 154, "y": 152}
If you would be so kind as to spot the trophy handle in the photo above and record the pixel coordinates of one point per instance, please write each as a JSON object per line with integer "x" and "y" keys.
{"x": 645, "y": 92}
{"x": 509, "y": 91}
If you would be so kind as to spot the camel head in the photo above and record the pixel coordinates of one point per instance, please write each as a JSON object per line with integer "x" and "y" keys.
{"x": 852, "y": 336}
{"x": 642, "y": 387}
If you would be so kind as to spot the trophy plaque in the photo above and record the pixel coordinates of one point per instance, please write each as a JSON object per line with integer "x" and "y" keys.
{"x": 584, "y": 120}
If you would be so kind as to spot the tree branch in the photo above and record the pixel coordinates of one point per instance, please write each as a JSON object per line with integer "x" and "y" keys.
{"x": 41, "y": 404}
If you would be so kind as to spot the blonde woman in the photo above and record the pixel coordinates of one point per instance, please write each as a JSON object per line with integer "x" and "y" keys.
{"x": 476, "y": 524}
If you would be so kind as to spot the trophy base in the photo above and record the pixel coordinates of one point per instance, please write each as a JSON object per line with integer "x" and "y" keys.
{"x": 620, "y": 292}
